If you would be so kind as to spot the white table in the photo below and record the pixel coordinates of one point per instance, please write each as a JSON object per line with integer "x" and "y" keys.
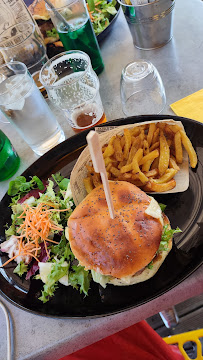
{"x": 180, "y": 66}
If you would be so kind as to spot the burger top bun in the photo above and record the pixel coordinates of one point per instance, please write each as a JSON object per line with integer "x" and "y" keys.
{"x": 39, "y": 11}
{"x": 121, "y": 246}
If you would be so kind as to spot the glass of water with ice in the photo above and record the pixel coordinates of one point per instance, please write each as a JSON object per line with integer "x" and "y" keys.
{"x": 73, "y": 87}
{"x": 25, "y": 107}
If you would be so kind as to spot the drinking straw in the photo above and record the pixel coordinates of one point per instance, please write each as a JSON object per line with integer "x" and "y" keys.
{"x": 58, "y": 15}
{"x": 99, "y": 167}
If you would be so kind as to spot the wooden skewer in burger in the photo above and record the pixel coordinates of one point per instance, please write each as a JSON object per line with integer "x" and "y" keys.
{"x": 117, "y": 230}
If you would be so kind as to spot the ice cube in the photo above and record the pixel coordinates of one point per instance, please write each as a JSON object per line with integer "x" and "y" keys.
{"x": 13, "y": 81}
{"x": 18, "y": 105}
{"x": 2, "y": 78}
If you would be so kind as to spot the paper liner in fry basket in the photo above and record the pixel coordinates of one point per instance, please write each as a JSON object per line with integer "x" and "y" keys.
{"x": 79, "y": 171}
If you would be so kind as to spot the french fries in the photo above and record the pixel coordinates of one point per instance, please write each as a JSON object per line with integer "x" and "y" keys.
{"x": 118, "y": 149}
{"x": 147, "y": 155}
{"x": 151, "y": 186}
{"x": 88, "y": 184}
{"x": 135, "y": 165}
{"x": 150, "y": 156}
{"x": 173, "y": 164}
{"x": 189, "y": 148}
{"x": 109, "y": 151}
{"x": 152, "y": 128}
{"x": 127, "y": 145}
{"x": 178, "y": 147}
{"x": 164, "y": 154}
{"x": 169, "y": 174}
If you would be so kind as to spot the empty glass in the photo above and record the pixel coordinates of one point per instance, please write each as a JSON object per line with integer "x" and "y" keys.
{"x": 73, "y": 87}
{"x": 142, "y": 90}
{"x": 22, "y": 42}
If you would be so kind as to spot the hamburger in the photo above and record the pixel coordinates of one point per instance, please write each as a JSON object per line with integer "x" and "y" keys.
{"x": 41, "y": 15}
{"x": 127, "y": 249}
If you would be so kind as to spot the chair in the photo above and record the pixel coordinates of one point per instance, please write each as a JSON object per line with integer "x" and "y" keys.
{"x": 181, "y": 339}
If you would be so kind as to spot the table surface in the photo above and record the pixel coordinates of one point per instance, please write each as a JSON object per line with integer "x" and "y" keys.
{"x": 180, "y": 66}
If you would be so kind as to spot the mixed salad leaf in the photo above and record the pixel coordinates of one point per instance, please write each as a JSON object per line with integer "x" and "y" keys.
{"x": 20, "y": 186}
{"x": 52, "y": 33}
{"x": 167, "y": 234}
{"x": 36, "y": 237}
{"x": 162, "y": 207}
{"x": 101, "y": 13}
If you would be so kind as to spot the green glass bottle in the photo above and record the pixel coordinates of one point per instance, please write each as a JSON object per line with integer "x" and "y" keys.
{"x": 76, "y": 32}
{"x": 9, "y": 159}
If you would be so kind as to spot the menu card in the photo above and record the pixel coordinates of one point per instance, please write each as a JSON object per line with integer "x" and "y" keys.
{"x": 13, "y": 12}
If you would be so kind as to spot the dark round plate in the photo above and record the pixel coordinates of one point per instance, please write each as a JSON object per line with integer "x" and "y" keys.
{"x": 183, "y": 209}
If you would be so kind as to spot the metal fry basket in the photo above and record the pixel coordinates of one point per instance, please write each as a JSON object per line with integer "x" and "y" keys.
{"x": 151, "y": 24}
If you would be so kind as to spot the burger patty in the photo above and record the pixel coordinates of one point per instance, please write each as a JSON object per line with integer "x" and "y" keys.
{"x": 121, "y": 246}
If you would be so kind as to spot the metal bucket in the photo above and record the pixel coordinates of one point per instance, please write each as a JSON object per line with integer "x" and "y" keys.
{"x": 150, "y": 24}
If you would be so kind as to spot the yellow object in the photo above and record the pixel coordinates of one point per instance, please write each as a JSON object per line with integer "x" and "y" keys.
{"x": 181, "y": 339}
{"x": 191, "y": 106}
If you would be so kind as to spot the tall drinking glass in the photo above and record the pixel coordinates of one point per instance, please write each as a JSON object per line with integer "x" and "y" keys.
{"x": 76, "y": 31}
{"x": 22, "y": 42}
{"x": 73, "y": 87}
{"x": 25, "y": 107}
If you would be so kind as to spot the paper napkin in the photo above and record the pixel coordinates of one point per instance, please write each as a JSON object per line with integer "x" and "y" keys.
{"x": 191, "y": 106}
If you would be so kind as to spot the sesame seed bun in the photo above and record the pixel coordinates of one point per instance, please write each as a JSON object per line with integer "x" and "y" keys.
{"x": 39, "y": 11}
{"x": 118, "y": 247}
{"x": 147, "y": 272}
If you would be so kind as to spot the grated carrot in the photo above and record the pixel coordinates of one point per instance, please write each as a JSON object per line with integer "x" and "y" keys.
{"x": 8, "y": 261}
{"x": 36, "y": 228}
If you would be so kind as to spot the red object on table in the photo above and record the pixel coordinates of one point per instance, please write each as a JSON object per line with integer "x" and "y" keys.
{"x": 137, "y": 342}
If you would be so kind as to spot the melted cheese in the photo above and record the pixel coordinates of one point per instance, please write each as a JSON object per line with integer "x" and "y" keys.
{"x": 154, "y": 210}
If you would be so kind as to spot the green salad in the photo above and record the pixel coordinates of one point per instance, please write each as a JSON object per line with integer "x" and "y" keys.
{"x": 36, "y": 237}
{"x": 101, "y": 13}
